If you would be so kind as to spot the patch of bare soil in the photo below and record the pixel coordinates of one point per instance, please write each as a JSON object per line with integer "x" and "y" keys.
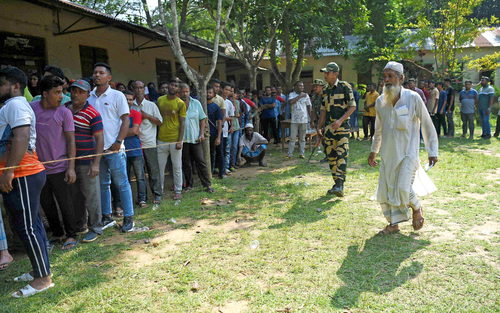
{"x": 493, "y": 176}
{"x": 483, "y": 255}
{"x": 486, "y": 152}
{"x": 232, "y": 307}
{"x": 476, "y": 196}
{"x": 485, "y": 231}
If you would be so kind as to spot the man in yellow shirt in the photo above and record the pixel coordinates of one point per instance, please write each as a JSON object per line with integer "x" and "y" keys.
{"x": 370, "y": 112}
{"x": 171, "y": 133}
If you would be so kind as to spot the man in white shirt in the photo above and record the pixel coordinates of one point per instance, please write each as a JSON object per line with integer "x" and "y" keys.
{"x": 114, "y": 110}
{"x": 227, "y": 127}
{"x": 300, "y": 104}
{"x": 400, "y": 113}
{"x": 151, "y": 118}
{"x": 252, "y": 147}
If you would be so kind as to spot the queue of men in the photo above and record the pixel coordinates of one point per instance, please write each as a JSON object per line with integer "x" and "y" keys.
{"x": 89, "y": 145}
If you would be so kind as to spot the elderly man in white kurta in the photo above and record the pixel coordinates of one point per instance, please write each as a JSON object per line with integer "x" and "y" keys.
{"x": 400, "y": 113}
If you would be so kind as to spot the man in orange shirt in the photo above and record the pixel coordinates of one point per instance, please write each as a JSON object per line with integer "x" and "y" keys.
{"x": 370, "y": 112}
{"x": 21, "y": 187}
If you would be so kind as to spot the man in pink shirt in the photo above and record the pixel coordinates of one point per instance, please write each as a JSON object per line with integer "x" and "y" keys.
{"x": 56, "y": 141}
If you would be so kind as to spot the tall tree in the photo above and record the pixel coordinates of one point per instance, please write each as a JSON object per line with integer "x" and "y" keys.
{"x": 448, "y": 24}
{"x": 173, "y": 38}
{"x": 255, "y": 24}
{"x": 306, "y": 27}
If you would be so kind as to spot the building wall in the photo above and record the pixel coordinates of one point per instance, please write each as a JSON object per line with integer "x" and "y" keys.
{"x": 63, "y": 51}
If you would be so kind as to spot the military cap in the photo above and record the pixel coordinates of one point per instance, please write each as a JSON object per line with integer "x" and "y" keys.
{"x": 318, "y": 82}
{"x": 330, "y": 67}
{"x": 485, "y": 77}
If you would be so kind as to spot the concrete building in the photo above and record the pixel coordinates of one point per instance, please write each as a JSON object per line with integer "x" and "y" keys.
{"x": 35, "y": 33}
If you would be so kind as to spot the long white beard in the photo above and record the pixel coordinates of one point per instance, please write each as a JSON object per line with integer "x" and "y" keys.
{"x": 391, "y": 92}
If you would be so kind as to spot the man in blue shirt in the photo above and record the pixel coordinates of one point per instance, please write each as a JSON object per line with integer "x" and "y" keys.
{"x": 268, "y": 115}
{"x": 468, "y": 98}
{"x": 442, "y": 105}
{"x": 485, "y": 102}
{"x": 214, "y": 114}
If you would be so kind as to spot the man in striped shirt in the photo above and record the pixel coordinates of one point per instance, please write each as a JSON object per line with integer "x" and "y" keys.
{"x": 89, "y": 140}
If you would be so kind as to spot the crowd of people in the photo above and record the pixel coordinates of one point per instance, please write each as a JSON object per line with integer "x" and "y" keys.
{"x": 94, "y": 137}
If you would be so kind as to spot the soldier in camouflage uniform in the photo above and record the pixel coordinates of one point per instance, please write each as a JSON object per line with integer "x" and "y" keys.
{"x": 317, "y": 101}
{"x": 338, "y": 104}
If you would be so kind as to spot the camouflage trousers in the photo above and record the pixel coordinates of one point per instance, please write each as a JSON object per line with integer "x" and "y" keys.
{"x": 337, "y": 150}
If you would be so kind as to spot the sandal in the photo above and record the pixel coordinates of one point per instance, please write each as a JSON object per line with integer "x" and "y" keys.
{"x": 177, "y": 196}
{"x": 27, "y": 277}
{"x": 419, "y": 222}
{"x": 187, "y": 189}
{"x": 143, "y": 204}
{"x": 28, "y": 290}
{"x": 389, "y": 230}
{"x": 74, "y": 243}
{"x": 210, "y": 189}
{"x": 118, "y": 212}
{"x": 4, "y": 266}
{"x": 53, "y": 239}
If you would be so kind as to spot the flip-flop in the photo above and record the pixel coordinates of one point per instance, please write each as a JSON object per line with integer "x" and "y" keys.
{"x": 5, "y": 265}
{"x": 75, "y": 243}
{"x": 418, "y": 223}
{"x": 386, "y": 231}
{"x": 118, "y": 212}
{"x": 210, "y": 189}
{"x": 27, "y": 277}
{"x": 28, "y": 291}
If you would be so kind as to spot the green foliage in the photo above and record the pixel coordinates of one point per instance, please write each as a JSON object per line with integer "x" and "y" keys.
{"x": 488, "y": 62}
{"x": 129, "y": 10}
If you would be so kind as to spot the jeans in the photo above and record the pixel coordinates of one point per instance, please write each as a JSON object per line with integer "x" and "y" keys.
{"x": 369, "y": 121}
{"x": 485, "y": 122}
{"x": 3, "y": 236}
{"x": 226, "y": 149}
{"x": 86, "y": 200}
{"x": 190, "y": 152}
{"x": 441, "y": 121}
{"x": 55, "y": 186}
{"x": 301, "y": 129}
{"x": 216, "y": 155}
{"x": 235, "y": 141}
{"x": 137, "y": 162}
{"x": 255, "y": 156}
{"x": 467, "y": 121}
{"x": 153, "y": 169}
{"x": 23, "y": 205}
{"x": 176, "y": 157}
{"x": 451, "y": 124}
{"x": 115, "y": 166}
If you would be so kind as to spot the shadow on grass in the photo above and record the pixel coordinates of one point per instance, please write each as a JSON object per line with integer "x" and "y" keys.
{"x": 376, "y": 268}
{"x": 305, "y": 212}
{"x": 84, "y": 267}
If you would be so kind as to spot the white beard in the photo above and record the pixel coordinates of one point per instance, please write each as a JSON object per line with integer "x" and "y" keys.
{"x": 391, "y": 92}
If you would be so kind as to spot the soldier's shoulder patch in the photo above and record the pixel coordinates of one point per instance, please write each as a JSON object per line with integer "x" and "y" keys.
{"x": 343, "y": 83}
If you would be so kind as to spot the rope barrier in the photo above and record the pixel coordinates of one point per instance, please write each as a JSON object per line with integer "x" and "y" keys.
{"x": 94, "y": 155}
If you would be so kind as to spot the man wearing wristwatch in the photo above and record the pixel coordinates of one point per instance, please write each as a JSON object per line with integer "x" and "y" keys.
{"x": 114, "y": 110}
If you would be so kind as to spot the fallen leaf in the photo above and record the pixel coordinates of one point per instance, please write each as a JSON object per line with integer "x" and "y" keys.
{"x": 224, "y": 187}
{"x": 186, "y": 263}
{"x": 155, "y": 244}
{"x": 99, "y": 264}
{"x": 163, "y": 289}
{"x": 146, "y": 241}
{"x": 196, "y": 286}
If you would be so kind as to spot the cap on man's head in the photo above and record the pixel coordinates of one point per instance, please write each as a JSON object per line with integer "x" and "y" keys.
{"x": 318, "y": 82}
{"x": 395, "y": 66}
{"x": 485, "y": 77}
{"x": 330, "y": 67}
{"x": 249, "y": 125}
{"x": 82, "y": 84}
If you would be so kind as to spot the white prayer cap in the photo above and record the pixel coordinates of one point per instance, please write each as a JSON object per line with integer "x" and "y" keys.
{"x": 398, "y": 67}
{"x": 249, "y": 125}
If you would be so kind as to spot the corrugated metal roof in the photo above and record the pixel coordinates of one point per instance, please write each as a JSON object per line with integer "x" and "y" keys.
{"x": 119, "y": 23}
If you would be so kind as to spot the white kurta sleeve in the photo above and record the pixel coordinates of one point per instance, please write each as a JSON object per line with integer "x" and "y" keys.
{"x": 428, "y": 130}
{"x": 377, "y": 137}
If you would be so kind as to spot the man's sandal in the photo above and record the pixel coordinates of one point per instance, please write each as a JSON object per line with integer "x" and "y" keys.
{"x": 418, "y": 223}
{"x": 388, "y": 230}
{"x": 28, "y": 290}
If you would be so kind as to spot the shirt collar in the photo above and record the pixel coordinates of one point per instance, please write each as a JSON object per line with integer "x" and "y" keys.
{"x": 105, "y": 93}
{"x": 335, "y": 84}
{"x": 11, "y": 99}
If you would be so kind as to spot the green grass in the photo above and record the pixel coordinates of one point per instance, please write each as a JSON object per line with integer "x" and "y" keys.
{"x": 309, "y": 260}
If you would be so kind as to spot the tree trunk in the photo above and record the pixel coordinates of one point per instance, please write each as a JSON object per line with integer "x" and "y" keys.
{"x": 253, "y": 77}
{"x": 148, "y": 15}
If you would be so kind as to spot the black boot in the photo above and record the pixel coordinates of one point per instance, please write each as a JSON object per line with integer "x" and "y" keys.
{"x": 338, "y": 188}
